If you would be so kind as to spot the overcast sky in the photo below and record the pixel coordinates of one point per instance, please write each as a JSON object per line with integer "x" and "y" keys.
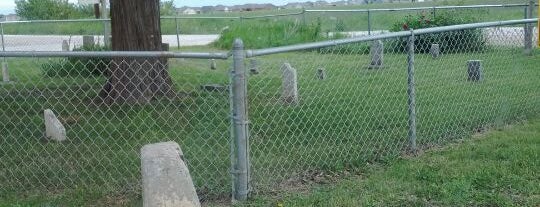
{"x": 8, "y": 6}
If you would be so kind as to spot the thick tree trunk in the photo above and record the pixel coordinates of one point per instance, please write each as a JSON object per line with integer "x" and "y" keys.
{"x": 136, "y": 27}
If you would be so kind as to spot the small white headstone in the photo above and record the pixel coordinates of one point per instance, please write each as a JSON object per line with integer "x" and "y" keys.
{"x": 435, "y": 50}
{"x": 213, "y": 64}
{"x": 290, "y": 84}
{"x": 377, "y": 54}
{"x": 5, "y": 72}
{"x": 53, "y": 128}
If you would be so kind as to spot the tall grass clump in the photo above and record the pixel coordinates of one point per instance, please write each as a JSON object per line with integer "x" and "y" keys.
{"x": 270, "y": 33}
{"x": 78, "y": 66}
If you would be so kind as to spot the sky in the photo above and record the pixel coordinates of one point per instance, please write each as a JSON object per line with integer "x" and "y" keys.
{"x": 8, "y": 6}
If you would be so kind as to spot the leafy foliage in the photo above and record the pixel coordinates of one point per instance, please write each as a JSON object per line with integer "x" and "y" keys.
{"x": 51, "y": 9}
{"x": 450, "y": 42}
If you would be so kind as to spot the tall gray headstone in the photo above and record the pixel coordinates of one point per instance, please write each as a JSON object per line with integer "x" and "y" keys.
{"x": 65, "y": 45}
{"x": 377, "y": 54}
{"x": 5, "y": 72}
{"x": 474, "y": 70}
{"x": 435, "y": 50}
{"x": 165, "y": 177}
{"x": 88, "y": 41}
{"x": 289, "y": 86}
{"x": 253, "y": 66}
{"x": 54, "y": 129}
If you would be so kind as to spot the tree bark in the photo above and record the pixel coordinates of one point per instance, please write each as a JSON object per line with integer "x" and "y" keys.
{"x": 136, "y": 27}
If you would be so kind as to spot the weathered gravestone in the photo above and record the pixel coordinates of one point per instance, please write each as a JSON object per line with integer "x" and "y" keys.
{"x": 253, "y": 66}
{"x": 474, "y": 70}
{"x": 54, "y": 129}
{"x": 165, "y": 177}
{"x": 435, "y": 50}
{"x": 213, "y": 64}
{"x": 289, "y": 86}
{"x": 321, "y": 74}
{"x": 377, "y": 54}
{"x": 88, "y": 41}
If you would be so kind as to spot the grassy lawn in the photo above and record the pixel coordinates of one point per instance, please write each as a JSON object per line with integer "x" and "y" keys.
{"x": 330, "y": 22}
{"x": 354, "y": 117}
{"x": 496, "y": 168}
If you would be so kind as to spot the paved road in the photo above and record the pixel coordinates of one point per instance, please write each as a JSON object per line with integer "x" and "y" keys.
{"x": 504, "y": 36}
{"x": 54, "y": 42}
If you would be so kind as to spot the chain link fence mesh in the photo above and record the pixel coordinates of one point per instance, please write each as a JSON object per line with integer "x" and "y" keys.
{"x": 101, "y": 153}
{"x": 334, "y": 109}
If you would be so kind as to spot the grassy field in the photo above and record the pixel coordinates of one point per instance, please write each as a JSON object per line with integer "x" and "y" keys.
{"x": 331, "y": 22}
{"x": 353, "y": 118}
{"x": 496, "y": 168}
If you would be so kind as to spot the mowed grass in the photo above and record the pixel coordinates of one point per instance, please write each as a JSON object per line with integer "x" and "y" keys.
{"x": 330, "y": 21}
{"x": 497, "y": 168}
{"x": 354, "y": 117}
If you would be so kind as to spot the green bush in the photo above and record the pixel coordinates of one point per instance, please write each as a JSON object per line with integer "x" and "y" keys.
{"x": 471, "y": 40}
{"x": 78, "y": 66}
{"x": 270, "y": 33}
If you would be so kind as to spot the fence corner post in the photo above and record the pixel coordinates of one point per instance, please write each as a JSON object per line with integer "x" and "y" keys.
{"x": 528, "y": 29}
{"x": 239, "y": 119}
{"x": 411, "y": 93}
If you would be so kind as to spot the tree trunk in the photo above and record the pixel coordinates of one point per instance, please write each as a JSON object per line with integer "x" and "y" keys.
{"x": 136, "y": 27}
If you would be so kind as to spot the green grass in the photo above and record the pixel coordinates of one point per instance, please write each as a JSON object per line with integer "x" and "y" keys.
{"x": 331, "y": 22}
{"x": 497, "y": 168}
{"x": 355, "y": 116}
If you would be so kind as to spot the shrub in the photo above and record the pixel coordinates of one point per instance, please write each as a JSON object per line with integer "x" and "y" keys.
{"x": 450, "y": 42}
{"x": 270, "y": 33}
{"x": 78, "y": 66}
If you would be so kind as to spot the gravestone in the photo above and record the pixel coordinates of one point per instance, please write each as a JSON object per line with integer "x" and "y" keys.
{"x": 5, "y": 72}
{"x": 474, "y": 70}
{"x": 65, "y": 45}
{"x": 253, "y": 66}
{"x": 377, "y": 54}
{"x": 213, "y": 64}
{"x": 166, "y": 180}
{"x": 54, "y": 129}
{"x": 88, "y": 41}
{"x": 289, "y": 86}
{"x": 435, "y": 50}
{"x": 321, "y": 74}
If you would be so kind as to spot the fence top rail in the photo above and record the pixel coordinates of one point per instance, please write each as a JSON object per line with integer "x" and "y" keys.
{"x": 322, "y": 44}
{"x": 420, "y": 8}
{"x": 114, "y": 54}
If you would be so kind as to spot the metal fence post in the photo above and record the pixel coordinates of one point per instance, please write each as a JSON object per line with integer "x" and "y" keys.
{"x": 434, "y": 13}
{"x": 177, "y": 31}
{"x": 528, "y": 29}
{"x": 5, "y": 72}
{"x": 411, "y": 93}
{"x": 106, "y": 28}
{"x": 239, "y": 119}
{"x": 369, "y": 21}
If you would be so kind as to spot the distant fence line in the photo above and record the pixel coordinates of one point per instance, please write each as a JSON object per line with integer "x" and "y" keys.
{"x": 302, "y": 13}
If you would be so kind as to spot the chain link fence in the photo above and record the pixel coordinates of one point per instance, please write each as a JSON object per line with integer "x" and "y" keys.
{"x": 264, "y": 120}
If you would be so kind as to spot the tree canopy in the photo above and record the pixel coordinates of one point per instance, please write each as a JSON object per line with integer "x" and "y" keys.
{"x": 51, "y": 9}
